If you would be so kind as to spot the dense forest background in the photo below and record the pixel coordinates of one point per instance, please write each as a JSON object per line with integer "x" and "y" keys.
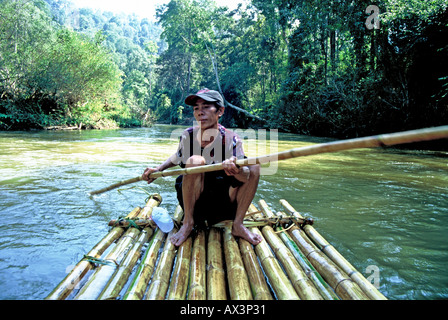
{"x": 335, "y": 68}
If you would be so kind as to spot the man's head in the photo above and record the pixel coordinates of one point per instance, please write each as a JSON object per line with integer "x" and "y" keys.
{"x": 208, "y": 107}
{"x": 207, "y": 95}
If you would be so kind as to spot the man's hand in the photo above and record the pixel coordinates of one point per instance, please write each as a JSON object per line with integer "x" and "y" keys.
{"x": 148, "y": 171}
{"x": 231, "y": 169}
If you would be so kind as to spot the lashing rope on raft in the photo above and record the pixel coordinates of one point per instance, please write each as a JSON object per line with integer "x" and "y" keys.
{"x": 131, "y": 222}
{"x": 94, "y": 260}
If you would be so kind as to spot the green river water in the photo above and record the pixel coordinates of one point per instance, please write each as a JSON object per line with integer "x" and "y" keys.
{"x": 386, "y": 208}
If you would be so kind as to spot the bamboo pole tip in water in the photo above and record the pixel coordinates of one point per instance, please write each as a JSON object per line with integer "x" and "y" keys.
{"x": 157, "y": 197}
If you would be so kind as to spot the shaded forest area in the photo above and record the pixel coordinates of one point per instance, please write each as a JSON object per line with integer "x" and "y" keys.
{"x": 333, "y": 68}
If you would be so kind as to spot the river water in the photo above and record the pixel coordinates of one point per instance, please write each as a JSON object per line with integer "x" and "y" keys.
{"x": 385, "y": 210}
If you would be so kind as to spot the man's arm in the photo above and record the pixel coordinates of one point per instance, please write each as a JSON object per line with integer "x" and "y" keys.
{"x": 231, "y": 169}
{"x": 169, "y": 163}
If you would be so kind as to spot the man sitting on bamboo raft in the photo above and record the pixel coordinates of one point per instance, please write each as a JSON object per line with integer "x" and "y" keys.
{"x": 211, "y": 197}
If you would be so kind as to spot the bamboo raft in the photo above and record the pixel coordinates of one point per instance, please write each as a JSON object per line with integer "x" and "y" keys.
{"x": 136, "y": 261}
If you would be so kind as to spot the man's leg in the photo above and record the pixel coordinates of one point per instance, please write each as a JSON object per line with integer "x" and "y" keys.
{"x": 192, "y": 187}
{"x": 244, "y": 196}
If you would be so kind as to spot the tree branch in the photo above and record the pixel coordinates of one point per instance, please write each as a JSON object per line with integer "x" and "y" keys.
{"x": 215, "y": 69}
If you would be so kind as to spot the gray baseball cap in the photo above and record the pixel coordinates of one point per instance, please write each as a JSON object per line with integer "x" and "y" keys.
{"x": 207, "y": 95}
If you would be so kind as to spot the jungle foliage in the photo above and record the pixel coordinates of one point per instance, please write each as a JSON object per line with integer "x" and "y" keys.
{"x": 60, "y": 66}
{"x": 336, "y": 68}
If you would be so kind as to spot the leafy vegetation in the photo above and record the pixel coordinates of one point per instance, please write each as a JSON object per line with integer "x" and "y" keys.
{"x": 325, "y": 68}
{"x": 312, "y": 67}
{"x": 58, "y": 69}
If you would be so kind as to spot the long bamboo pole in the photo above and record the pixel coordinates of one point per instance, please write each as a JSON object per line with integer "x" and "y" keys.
{"x": 344, "y": 287}
{"x": 72, "y": 280}
{"x": 216, "y": 276}
{"x": 138, "y": 285}
{"x": 197, "y": 286}
{"x": 160, "y": 281}
{"x": 366, "y": 142}
{"x": 308, "y": 268}
{"x": 121, "y": 275}
{"x": 99, "y": 279}
{"x": 310, "y": 271}
{"x": 336, "y": 257}
{"x": 260, "y": 288}
{"x": 237, "y": 279}
{"x": 144, "y": 272}
{"x": 278, "y": 280}
{"x": 181, "y": 272}
{"x": 303, "y": 285}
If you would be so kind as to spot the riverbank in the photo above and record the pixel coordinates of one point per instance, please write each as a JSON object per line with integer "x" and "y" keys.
{"x": 102, "y": 124}
{"x": 439, "y": 145}
{"x": 34, "y": 122}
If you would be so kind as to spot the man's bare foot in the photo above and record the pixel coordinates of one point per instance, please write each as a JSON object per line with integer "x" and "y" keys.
{"x": 181, "y": 235}
{"x": 239, "y": 230}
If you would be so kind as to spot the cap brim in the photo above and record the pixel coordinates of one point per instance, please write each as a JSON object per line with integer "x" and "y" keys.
{"x": 191, "y": 100}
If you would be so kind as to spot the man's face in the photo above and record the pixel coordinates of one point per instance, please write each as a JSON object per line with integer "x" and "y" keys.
{"x": 207, "y": 114}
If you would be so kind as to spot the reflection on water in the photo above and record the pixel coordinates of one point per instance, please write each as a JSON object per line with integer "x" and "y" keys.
{"x": 382, "y": 207}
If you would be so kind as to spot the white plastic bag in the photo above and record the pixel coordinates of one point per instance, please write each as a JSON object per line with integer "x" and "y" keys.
{"x": 162, "y": 218}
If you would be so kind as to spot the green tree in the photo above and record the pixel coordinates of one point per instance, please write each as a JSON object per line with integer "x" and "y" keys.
{"x": 347, "y": 80}
{"x": 138, "y": 73}
{"x": 184, "y": 22}
{"x": 25, "y": 38}
{"x": 51, "y": 74}
{"x": 77, "y": 71}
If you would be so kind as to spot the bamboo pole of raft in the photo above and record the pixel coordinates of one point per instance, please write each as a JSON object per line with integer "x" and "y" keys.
{"x": 181, "y": 272}
{"x": 336, "y": 146}
{"x": 197, "y": 285}
{"x": 307, "y": 267}
{"x": 337, "y": 258}
{"x": 121, "y": 275}
{"x": 216, "y": 277}
{"x": 237, "y": 279}
{"x": 160, "y": 281}
{"x": 303, "y": 285}
{"x": 323, "y": 288}
{"x": 341, "y": 283}
{"x": 101, "y": 276}
{"x": 72, "y": 280}
{"x": 260, "y": 289}
{"x": 153, "y": 201}
{"x": 138, "y": 285}
{"x": 278, "y": 280}
{"x": 125, "y": 223}
{"x": 92, "y": 289}
{"x": 145, "y": 270}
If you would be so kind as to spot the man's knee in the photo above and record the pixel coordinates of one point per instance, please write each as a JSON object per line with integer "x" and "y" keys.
{"x": 195, "y": 161}
{"x": 254, "y": 172}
